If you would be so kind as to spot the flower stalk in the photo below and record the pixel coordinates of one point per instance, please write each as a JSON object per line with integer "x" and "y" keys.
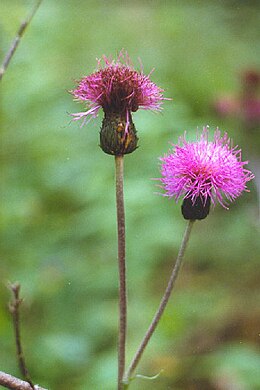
{"x": 119, "y": 168}
{"x": 162, "y": 305}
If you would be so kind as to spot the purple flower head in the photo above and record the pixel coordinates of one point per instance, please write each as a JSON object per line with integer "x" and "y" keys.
{"x": 204, "y": 170}
{"x": 117, "y": 88}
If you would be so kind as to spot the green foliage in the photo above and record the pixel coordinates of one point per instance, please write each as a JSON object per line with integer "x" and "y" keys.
{"x": 58, "y": 227}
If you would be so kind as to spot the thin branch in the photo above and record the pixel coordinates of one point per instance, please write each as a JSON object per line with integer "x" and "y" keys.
{"x": 119, "y": 161}
{"x": 13, "y": 383}
{"x": 17, "y": 39}
{"x": 161, "y": 307}
{"x": 14, "y": 307}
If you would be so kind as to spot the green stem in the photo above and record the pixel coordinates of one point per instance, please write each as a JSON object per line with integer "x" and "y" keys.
{"x": 161, "y": 307}
{"x": 119, "y": 165}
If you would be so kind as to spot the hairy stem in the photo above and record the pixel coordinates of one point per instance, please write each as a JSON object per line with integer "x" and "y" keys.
{"x": 119, "y": 161}
{"x": 17, "y": 39}
{"x": 161, "y": 307}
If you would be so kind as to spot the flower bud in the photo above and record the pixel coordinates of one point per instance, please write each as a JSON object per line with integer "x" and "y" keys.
{"x": 199, "y": 209}
{"x": 117, "y": 136}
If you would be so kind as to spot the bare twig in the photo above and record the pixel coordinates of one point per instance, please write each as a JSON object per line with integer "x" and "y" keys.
{"x": 17, "y": 39}
{"x": 13, "y": 383}
{"x": 14, "y": 310}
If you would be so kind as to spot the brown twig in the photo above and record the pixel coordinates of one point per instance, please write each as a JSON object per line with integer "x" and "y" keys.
{"x": 13, "y": 383}
{"x": 14, "y": 307}
{"x": 17, "y": 39}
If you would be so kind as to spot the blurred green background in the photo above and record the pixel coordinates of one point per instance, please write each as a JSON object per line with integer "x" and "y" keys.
{"x": 58, "y": 227}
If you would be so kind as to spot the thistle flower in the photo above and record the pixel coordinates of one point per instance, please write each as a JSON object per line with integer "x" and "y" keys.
{"x": 119, "y": 90}
{"x": 204, "y": 171}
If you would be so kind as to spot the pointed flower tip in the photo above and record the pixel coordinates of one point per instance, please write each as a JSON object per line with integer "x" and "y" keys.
{"x": 204, "y": 170}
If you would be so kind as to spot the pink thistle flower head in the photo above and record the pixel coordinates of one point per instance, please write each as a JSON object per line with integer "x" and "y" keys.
{"x": 117, "y": 87}
{"x": 204, "y": 171}
{"x": 119, "y": 90}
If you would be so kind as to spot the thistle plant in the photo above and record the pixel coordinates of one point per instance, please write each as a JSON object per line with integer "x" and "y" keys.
{"x": 119, "y": 90}
{"x": 200, "y": 172}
